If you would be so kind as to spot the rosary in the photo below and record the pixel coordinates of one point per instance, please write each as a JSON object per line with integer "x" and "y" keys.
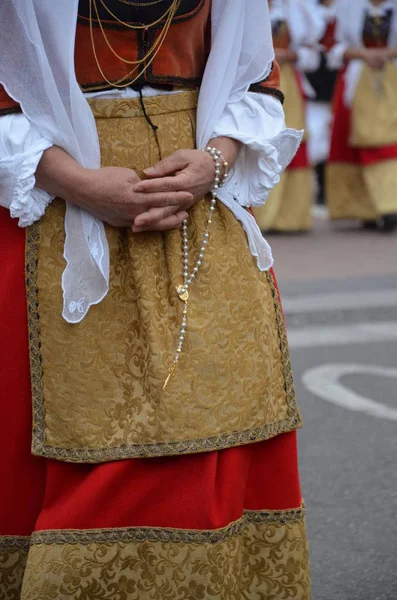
{"x": 189, "y": 276}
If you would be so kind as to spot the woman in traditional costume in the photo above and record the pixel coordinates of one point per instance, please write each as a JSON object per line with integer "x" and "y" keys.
{"x": 164, "y": 459}
{"x": 297, "y": 27}
{"x": 362, "y": 171}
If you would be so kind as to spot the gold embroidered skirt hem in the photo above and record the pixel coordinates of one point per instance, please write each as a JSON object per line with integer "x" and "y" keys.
{"x": 262, "y": 555}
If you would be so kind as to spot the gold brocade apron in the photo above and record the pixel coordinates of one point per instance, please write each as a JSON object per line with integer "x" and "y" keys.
{"x": 97, "y": 385}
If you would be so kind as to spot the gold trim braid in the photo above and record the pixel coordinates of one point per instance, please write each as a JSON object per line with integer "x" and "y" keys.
{"x": 14, "y": 542}
{"x": 162, "y": 534}
{"x": 97, "y": 386}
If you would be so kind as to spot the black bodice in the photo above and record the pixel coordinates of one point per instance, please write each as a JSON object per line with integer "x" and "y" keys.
{"x": 135, "y": 14}
{"x": 376, "y": 30}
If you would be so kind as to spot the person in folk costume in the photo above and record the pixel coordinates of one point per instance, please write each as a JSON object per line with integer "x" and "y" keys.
{"x": 296, "y": 31}
{"x": 134, "y": 137}
{"x": 362, "y": 170}
{"x": 318, "y": 109}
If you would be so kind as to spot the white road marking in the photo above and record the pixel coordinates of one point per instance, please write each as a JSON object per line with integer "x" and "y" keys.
{"x": 340, "y": 335}
{"x": 323, "y": 381}
{"x": 340, "y": 301}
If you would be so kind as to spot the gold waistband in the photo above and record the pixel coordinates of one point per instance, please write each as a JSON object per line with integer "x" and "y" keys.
{"x": 108, "y": 108}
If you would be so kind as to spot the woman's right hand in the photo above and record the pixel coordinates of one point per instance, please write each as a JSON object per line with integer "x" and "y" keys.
{"x": 107, "y": 193}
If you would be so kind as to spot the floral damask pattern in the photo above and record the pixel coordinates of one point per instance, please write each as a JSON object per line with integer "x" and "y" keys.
{"x": 233, "y": 384}
{"x": 13, "y": 557}
{"x": 262, "y": 556}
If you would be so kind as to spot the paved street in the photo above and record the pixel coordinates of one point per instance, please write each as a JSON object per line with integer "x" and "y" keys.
{"x": 339, "y": 288}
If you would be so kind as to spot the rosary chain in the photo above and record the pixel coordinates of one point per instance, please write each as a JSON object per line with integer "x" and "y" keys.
{"x": 189, "y": 277}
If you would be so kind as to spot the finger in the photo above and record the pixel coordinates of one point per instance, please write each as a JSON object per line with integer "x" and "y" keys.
{"x": 162, "y": 184}
{"x": 175, "y": 162}
{"x": 163, "y": 199}
{"x": 171, "y": 222}
{"x": 153, "y": 215}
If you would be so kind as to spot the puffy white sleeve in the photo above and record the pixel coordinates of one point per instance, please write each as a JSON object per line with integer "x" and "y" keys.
{"x": 21, "y": 148}
{"x": 257, "y": 120}
{"x": 336, "y": 56}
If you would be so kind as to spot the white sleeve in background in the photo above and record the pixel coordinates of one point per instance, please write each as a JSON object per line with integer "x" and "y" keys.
{"x": 257, "y": 120}
{"x": 21, "y": 148}
{"x": 336, "y": 56}
{"x": 308, "y": 59}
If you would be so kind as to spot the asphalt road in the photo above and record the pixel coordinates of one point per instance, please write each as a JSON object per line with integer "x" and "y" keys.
{"x": 339, "y": 289}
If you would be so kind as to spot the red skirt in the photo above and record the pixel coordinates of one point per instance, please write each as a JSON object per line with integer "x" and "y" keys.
{"x": 198, "y": 492}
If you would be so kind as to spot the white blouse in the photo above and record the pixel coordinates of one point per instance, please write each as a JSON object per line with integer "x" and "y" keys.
{"x": 225, "y": 108}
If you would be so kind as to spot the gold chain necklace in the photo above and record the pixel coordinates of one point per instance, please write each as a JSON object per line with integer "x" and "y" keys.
{"x": 143, "y": 4}
{"x": 151, "y": 54}
{"x": 134, "y": 26}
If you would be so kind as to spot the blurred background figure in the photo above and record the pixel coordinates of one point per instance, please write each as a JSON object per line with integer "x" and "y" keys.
{"x": 362, "y": 170}
{"x": 297, "y": 28}
{"x": 318, "y": 109}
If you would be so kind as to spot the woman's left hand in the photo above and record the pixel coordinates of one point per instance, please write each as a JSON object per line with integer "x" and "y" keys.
{"x": 190, "y": 171}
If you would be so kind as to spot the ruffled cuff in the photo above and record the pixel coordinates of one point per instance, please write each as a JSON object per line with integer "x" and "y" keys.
{"x": 336, "y": 56}
{"x": 21, "y": 148}
{"x": 17, "y": 185}
{"x": 258, "y": 122}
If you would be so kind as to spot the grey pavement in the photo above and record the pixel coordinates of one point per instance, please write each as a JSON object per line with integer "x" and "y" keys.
{"x": 339, "y": 289}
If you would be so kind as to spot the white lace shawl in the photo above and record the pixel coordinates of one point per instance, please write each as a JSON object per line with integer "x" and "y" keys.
{"x": 37, "y": 69}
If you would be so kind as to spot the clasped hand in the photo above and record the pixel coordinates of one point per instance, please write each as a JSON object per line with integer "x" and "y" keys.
{"x": 159, "y": 203}
{"x": 376, "y": 58}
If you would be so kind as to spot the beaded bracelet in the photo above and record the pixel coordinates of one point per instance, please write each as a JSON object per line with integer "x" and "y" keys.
{"x": 218, "y": 157}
